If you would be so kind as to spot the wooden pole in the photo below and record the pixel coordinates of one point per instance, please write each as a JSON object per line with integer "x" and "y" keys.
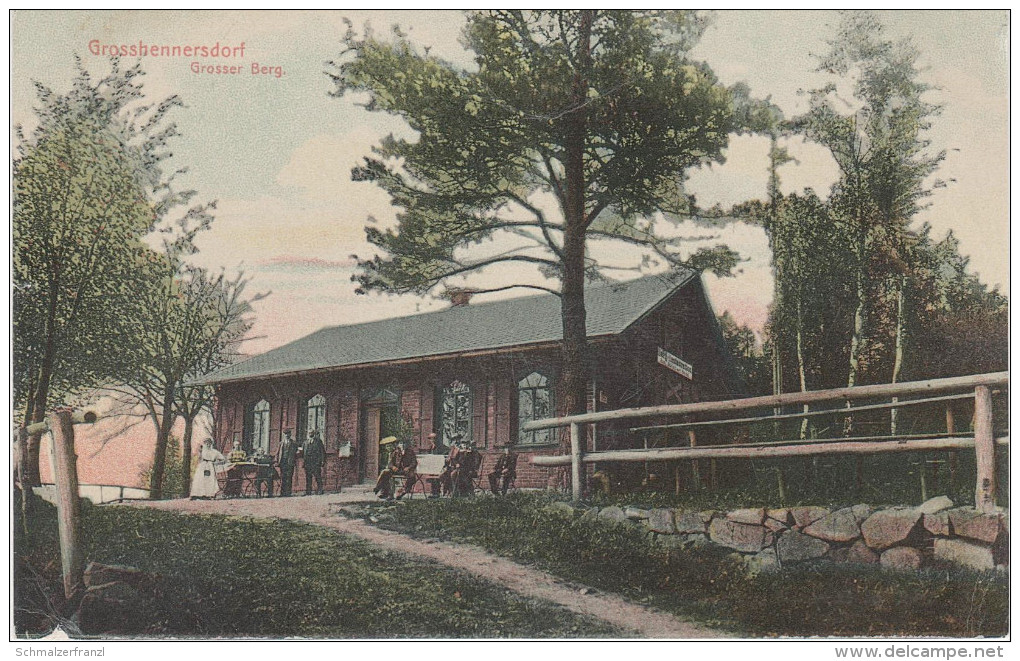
{"x": 72, "y": 559}
{"x": 769, "y": 450}
{"x": 695, "y": 469}
{"x": 953, "y": 456}
{"x": 984, "y": 448}
{"x": 575, "y": 461}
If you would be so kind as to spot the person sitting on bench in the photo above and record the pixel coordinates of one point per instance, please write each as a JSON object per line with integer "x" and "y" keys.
{"x": 505, "y": 470}
{"x": 403, "y": 462}
{"x": 452, "y": 464}
{"x": 467, "y": 470}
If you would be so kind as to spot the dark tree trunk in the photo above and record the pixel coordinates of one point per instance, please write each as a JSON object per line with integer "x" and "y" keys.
{"x": 574, "y": 377}
{"x": 159, "y": 455}
{"x": 189, "y": 426}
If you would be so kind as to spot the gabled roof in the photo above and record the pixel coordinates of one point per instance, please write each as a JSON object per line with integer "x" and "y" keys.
{"x": 611, "y": 308}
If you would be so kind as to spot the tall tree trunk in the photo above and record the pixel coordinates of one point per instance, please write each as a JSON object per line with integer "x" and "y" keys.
{"x": 898, "y": 362}
{"x": 189, "y": 426}
{"x": 801, "y": 372}
{"x": 159, "y": 454}
{"x": 575, "y": 338}
{"x": 857, "y": 338}
{"x": 40, "y": 400}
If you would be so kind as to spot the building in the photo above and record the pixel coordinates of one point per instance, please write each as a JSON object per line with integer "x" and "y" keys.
{"x": 477, "y": 369}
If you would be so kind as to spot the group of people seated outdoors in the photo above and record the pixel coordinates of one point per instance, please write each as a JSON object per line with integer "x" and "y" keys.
{"x": 460, "y": 470}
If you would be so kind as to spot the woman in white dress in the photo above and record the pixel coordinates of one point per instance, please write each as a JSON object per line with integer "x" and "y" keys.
{"x": 204, "y": 483}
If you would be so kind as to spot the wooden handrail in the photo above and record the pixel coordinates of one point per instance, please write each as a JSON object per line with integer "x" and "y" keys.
{"x": 785, "y": 399}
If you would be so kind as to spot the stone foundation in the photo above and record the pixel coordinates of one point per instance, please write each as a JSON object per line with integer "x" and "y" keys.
{"x": 896, "y": 537}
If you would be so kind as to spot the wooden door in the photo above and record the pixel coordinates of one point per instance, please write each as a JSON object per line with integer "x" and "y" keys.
{"x": 370, "y": 442}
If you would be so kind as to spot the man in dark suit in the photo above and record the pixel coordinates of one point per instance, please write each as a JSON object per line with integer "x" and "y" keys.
{"x": 315, "y": 456}
{"x": 286, "y": 459}
{"x": 505, "y": 470}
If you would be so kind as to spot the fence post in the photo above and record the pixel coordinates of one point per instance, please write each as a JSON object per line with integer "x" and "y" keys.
{"x": 575, "y": 461}
{"x": 984, "y": 448}
{"x": 72, "y": 559}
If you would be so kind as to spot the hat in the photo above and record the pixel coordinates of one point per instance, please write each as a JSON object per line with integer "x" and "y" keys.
{"x": 388, "y": 440}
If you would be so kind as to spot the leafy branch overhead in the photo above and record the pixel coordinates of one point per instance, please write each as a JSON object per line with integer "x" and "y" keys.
{"x": 489, "y": 159}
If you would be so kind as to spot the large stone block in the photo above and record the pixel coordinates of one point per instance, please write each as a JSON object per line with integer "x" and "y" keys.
{"x": 636, "y": 513}
{"x": 840, "y": 526}
{"x": 612, "y": 513}
{"x": 965, "y": 553}
{"x": 749, "y": 515}
{"x": 765, "y": 560}
{"x": 794, "y": 546}
{"x": 859, "y": 552}
{"x": 805, "y": 516}
{"x": 661, "y": 520}
{"x": 935, "y": 505}
{"x": 781, "y": 515}
{"x": 937, "y": 524}
{"x": 689, "y": 522}
{"x": 902, "y": 557}
{"x": 968, "y": 522}
{"x": 738, "y": 536}
{"x": 887, "y": 528}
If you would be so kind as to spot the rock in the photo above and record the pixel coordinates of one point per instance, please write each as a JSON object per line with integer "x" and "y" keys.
{"x": 795, "y": 546}
{"x": 937, "y": 524}
{"x": 805, "y": 516}
{"x": 780, "y": 515}
{"x": 707, "y": 516}
{"x": 590, "y": 514}
{"x": 98, "y": 574}
{"x": 860, "y": 553}
{"x": 694, "y": 540}
{"x": 636, "y": 513}
{"x": 661, "y": 520}
{"x": 775, "y": 526}
{"x": 739, "y": 536}
{"x": 887, "y": 528}
{"x": 968, "y": 554}
{"x": 901, "y": 557}
{"x": 765, "y": 560}
{"x": 968, "y": 522}
{"x": 612, "y": 513}
{"x": 840, "y": 526}
{"x": 689, "y": 522}
{"x": 752, "y": 516}
{"x": 560, "y": 507}
{"x": 935, "y": 505}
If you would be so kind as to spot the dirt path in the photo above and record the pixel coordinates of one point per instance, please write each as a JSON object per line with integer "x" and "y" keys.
{"x": 318, "y": 510}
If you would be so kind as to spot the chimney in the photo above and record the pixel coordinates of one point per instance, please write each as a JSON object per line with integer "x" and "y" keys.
{"x": 460, "y": 297}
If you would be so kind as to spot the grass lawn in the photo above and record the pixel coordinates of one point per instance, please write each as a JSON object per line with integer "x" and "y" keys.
{"x": 707, "y": 584}
{"x": 230, "y": 576}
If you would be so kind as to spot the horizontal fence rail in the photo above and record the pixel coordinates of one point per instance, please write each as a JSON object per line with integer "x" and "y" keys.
{"x": 982, "y": 441}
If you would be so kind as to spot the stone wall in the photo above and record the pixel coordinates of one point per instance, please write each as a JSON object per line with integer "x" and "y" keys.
{"x": 895, "y": 537}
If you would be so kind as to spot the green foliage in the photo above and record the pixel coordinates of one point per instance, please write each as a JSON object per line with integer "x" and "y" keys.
{"x": 82, "y": 201}
{"x": 490, "y": 139}
{"x": 709, "y": 585}
{"x": 222, "y": 576}
{"x": 174, "y": 467}
{"x": 745, "y": 349}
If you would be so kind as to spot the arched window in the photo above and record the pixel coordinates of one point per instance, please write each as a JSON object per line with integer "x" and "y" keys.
{"x": 260, "y": 427}
{"x": 315, "y": 416}
{"x": 455, "y": 412}
{"x": 534, "y": 401}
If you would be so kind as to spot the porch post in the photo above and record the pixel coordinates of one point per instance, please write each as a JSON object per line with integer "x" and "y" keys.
{"x": 575, "y": 461}
{"x": 984, "y": 447}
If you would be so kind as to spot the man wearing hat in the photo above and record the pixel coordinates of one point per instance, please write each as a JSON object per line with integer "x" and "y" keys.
{"x": 403, "y": 462}
{"x": 286, "y": 459}
{"x": 470, "y": 460}
{"x": 505, "y": 469}
{"x": 450, "y": 466}
{"x": 315, "y": 456}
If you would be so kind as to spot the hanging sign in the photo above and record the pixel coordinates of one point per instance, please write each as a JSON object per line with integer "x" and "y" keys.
{"x": 679, "y": 366}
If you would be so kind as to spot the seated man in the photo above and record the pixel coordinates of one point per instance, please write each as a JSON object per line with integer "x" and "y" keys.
{"x": 467, "y": 470}
{"x": 404, "y": 462}
{"x": 265, "y": 474}
{"x": 451, "y": 465}
{"x": 505, "y": 470}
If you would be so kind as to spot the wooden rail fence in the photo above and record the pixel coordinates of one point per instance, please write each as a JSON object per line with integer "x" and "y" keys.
{"x": 979, "y": 387}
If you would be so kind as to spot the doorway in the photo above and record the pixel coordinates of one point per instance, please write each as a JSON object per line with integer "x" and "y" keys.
{"x": 381, "y": 420}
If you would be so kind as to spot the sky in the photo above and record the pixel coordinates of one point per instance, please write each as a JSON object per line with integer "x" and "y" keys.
{"x": 275, "y": 149}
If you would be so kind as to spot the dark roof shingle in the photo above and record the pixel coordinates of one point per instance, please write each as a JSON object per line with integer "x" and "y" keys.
{"x": 610, "y": 307}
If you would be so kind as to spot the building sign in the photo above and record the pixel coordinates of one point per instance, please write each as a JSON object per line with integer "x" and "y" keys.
{"x": 679, "y": 366}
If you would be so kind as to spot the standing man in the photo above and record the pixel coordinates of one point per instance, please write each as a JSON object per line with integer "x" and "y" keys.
{"x": 505, "y": 470}
{"x": 286, "y": 458}
{"x": 315, "y": 455}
